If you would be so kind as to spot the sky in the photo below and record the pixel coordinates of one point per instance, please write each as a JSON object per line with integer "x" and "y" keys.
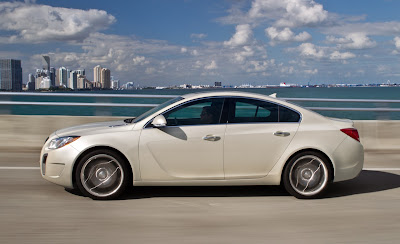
{"x": 164, "y": 43}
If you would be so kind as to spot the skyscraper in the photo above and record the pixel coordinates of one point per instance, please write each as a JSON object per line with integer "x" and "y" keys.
{"x": 10, "y": 74}
{"x": 97, "y": 74}
{"x": 105, "y": 78}
{"x": 52, "y": 76}
{"x": 31, "y": 83}
{"x": 80, "y": 72}
{"x": 47, "y": 65}
{"x": 63, "y": 76}
{"x": 73, "y": 80}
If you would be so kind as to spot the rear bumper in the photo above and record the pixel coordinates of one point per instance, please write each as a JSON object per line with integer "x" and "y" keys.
{"x": 348, "y": 160}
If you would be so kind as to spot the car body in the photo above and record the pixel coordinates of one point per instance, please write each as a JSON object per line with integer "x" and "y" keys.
{"x": 212, "y": 138}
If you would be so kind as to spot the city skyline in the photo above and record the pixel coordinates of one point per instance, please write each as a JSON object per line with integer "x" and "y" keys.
{"x": 166, "y": 43}
{"x": 62, "y": 77}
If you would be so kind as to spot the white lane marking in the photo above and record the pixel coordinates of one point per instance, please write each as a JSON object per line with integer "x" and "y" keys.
{"x": 383, "y": 169}
{"x": 19, "y": 167}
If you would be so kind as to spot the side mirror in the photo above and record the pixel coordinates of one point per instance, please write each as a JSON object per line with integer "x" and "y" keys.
{"x": 159, "y": 121}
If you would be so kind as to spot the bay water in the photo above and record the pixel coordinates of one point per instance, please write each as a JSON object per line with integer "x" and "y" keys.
{"x": 387, "y": 93}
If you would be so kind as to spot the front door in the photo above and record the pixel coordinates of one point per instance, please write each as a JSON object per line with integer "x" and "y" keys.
{"x": 190, "y": 147}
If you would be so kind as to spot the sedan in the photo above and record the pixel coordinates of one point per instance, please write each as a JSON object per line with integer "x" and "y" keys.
{"x": 201, "y": 139}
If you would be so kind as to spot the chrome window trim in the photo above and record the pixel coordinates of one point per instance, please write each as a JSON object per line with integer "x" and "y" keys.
{"x": 227, "y": 97}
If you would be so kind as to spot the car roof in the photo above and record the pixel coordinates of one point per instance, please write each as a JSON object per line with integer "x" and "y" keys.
{"x": 227, "y": 93}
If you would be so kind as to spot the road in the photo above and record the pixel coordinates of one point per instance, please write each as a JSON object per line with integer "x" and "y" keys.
{"x": 363, "y": 210}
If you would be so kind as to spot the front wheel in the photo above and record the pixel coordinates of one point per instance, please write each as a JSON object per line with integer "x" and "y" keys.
{"x": 307, "y": 175}
{"x": 102, "y": 175}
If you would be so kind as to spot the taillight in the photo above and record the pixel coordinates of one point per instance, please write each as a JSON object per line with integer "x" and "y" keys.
{"x": 352, "y": 132}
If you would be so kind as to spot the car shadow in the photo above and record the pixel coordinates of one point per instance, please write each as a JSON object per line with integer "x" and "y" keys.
{"x": 367, "y": 182}
{"x": 203, "y": 191}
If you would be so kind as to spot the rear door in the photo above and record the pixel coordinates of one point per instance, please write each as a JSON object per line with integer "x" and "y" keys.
{"x": 257, "y": 134}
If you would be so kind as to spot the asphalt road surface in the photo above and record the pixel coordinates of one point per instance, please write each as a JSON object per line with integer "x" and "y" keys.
{"x": 363, "y": 210}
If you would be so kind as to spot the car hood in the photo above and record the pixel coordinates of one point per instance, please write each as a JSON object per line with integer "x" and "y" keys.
{"x": 95, "y": 128}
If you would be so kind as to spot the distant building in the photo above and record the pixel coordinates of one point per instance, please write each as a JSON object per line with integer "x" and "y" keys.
{"x": 45, "y": 83}
{"x": 84, "y": 83}
{"x": 47, "y": 63}
{"x": 63, "y": 76}
{"x": 52, "y": 77}
{"x": 218, "y": 84}
{"x": 80, "y": 72}
{"x": 38, "y": 80}
{"x": 186, "y": 86}
{"x": 115, "y": 84}
{"x": 10, "y": 74}
{"x": 105, "y": 78}
{"x": 30, "y": 86}
{"x": 129, "y": 86}
{"x": 58, "y": 77}
{"x": 97, "y": 74}
{"x": 40, "y": 74}
{"x": 73, "y": 80}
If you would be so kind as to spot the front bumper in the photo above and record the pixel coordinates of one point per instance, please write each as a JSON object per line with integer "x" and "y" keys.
{"x": 56, "y": 165}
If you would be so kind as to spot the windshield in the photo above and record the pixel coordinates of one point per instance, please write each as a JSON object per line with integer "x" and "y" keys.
{"x": 155, "y": 109}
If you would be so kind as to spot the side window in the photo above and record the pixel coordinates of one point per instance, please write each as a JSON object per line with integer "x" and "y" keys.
{"x": 250, "y": 111}
{"x": 245, "y": 110}
{"x": 204, "y": 111}
{"x": 287, "y": 115}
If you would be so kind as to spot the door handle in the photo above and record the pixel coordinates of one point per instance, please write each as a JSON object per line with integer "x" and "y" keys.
{"x": 211, "y": 138}
{"x": 281, "y": 133}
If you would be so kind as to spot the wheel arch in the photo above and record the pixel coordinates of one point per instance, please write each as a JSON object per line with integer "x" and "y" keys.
{"x": 89, "y": 150}
{"x": 330, "y": 163}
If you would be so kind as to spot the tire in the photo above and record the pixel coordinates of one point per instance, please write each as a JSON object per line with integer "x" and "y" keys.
{"x": 307, "y": 175}
{"x": 102, "y": 175}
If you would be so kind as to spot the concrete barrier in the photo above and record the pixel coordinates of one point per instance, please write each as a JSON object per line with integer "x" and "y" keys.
{"x": 21, "y": 133}
{"x": 27, "y": 133}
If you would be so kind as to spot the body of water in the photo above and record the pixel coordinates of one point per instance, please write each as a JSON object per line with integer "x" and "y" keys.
{"x": 391, "y": 93}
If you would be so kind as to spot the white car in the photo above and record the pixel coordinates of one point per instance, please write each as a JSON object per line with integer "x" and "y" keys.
{"x": 213, "y": 138}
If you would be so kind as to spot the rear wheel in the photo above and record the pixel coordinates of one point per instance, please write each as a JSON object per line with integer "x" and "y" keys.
{"x": 102, "y": 175}
{"x": 307, "y": 175}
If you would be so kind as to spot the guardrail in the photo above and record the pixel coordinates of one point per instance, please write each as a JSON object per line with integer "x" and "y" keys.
{"x": 373, "y": 101}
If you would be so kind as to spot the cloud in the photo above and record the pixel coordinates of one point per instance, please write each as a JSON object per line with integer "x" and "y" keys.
{"x": 30, "y": 22}
{"x": 242, "y": 36}
{"x": 198, "y": 36}
{"x": 369, "y": 28}
{"x": 336, "y": 55}
{"x": 213, "y": 65}
{"x": 260, "y": 66}
{"x": 356, "y": 40}
{"x": 311, "y": 51}
{"x": 243, "y": 53}
{"x": 287, "y": 70}
{"x": 286, "y": 35}
{"x": 139, "y": 60}
{"x": 311, "y": 71}
{"x": 194, "y": 52}
{"x": 397, "y": 42}
{"x": 281, "y": 13}
{"x": 150, "y": 70}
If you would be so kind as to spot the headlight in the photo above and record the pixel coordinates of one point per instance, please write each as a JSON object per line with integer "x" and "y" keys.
{"x": 62, "y": 141}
